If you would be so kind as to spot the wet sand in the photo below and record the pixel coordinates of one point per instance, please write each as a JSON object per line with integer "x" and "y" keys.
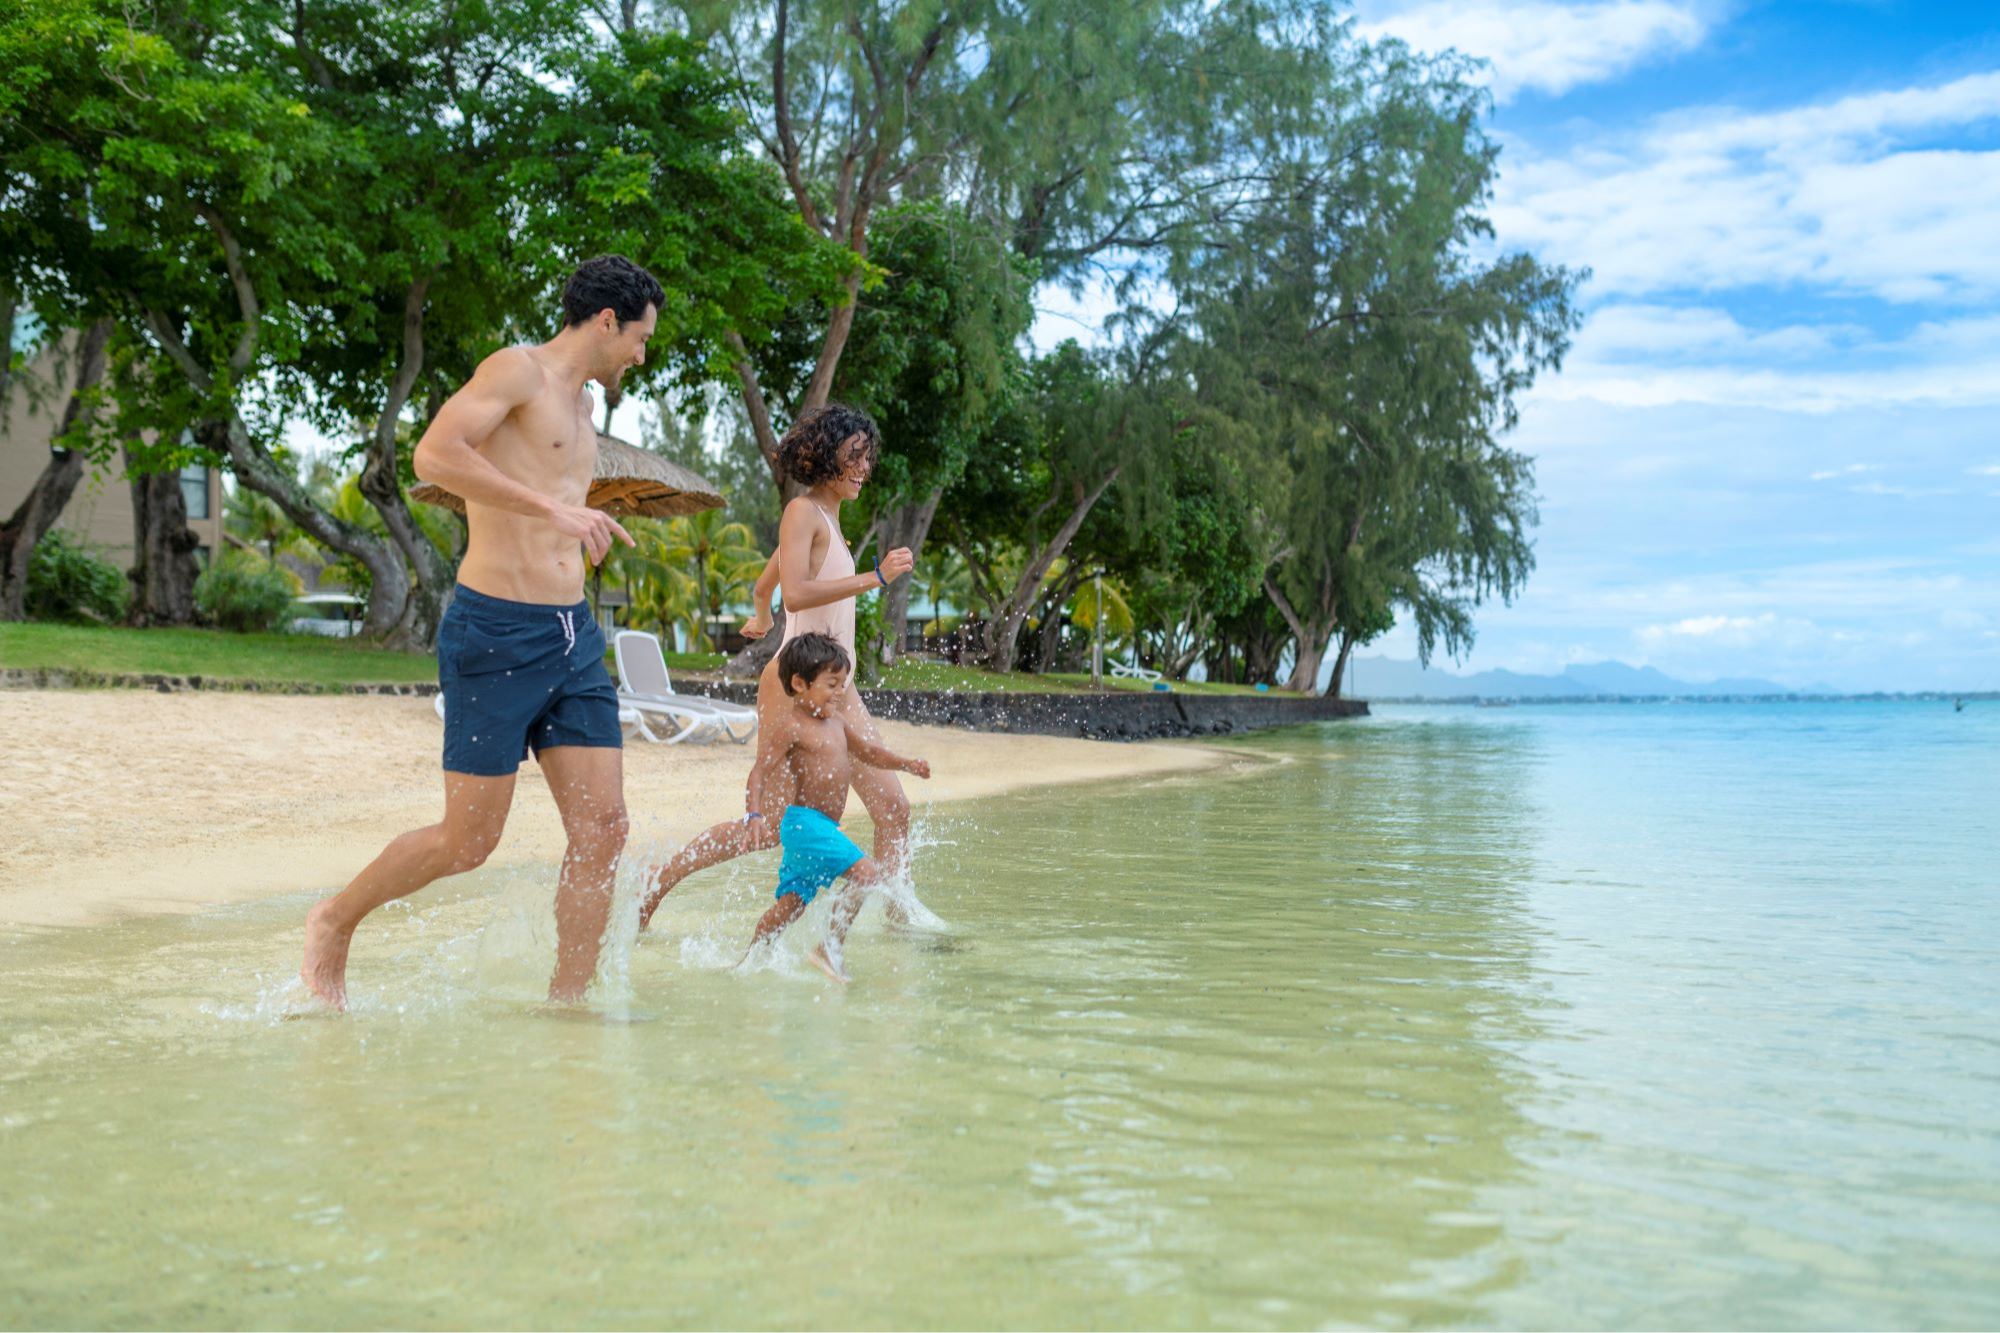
{"x": 121, "y": 803}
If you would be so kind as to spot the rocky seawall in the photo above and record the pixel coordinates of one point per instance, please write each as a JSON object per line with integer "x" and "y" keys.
{"x": 1114, "y": 716}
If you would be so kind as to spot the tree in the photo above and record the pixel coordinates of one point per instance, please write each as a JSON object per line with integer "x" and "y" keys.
{"x": 496, "y": 148}
{"x": 1377, "y": 362}
{"x": 1088, "y": 419}
{"x": 160, "y": 177}
{"x": 45, "y": 500}
{"x": 722, "y": 560}
{"x": 931, "y": 357}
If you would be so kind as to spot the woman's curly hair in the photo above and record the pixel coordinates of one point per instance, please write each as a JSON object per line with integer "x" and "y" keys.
{"x": 810, "y": 451}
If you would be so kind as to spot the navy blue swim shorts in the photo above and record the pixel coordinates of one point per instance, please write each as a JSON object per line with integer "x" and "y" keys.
{"x": 520, "y": 676}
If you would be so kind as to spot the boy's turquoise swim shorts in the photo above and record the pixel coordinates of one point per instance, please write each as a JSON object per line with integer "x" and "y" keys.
{"x": 816, "y": 852}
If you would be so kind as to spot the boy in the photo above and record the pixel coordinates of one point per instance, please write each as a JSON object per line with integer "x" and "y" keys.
{"x": 811, "y": 747}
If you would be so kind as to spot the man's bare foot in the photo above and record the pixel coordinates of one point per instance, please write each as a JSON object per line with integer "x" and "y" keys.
{"x": 324, "y": 970}
{"x": 817, "y": 957}
{"x": 897, "y": 914}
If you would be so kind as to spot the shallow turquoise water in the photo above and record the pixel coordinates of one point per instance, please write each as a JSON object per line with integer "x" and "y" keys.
{"x": 1603, "y": 1016}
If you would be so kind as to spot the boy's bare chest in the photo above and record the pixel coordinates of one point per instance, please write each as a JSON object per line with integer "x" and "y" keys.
{"x": 821, "y": 745}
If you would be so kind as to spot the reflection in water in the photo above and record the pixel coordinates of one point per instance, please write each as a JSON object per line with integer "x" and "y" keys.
{"x": 1565, "y": 1017}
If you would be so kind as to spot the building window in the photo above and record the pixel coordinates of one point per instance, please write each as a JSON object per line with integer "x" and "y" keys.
{"x": 194, "y": 489}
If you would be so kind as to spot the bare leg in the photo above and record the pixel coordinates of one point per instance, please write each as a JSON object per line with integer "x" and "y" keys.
{"x": 475, "y": 813}
{"x": 888, "y": 807}
{"x": 727, "y": 841}
{"x": 721, "y": 842}
{"x": 588, "y": 783}
{"x": 830, "y": 957}
{"x": 783, "y": 912}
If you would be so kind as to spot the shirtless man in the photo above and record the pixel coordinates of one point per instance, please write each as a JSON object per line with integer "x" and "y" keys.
{"x": 805, "y": 764}
{"x": 520, "y": 657}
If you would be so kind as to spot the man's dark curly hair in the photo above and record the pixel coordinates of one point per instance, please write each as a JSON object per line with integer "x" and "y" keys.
{"x": 809, "y": 655}
{"x": 609, "y": 282}
{"x": 810, "y": 451}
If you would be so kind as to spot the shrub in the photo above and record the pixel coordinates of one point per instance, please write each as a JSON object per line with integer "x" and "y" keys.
{"x": 245, "y": 593}
{"x": 69, "y": 581}
{"x": 871, "y": 637}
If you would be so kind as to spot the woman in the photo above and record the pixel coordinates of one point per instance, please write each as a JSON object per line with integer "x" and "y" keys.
{"x": 829, "y": 450}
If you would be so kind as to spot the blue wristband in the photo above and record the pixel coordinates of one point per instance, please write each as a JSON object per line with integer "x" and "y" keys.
{"x": 878, "y": 572}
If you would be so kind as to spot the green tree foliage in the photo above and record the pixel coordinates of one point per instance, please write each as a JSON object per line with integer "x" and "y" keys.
{"x": 1376, "y": 361}
{"x": 932, "y": 357}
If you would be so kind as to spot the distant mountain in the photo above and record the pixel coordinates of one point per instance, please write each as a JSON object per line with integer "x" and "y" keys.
{"x": 1386, "y": 678}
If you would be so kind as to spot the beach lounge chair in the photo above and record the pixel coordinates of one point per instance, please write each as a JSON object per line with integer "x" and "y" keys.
{"x": 1133, "y": 671}
{"x": 631, "y": 719}
{"x": 644, "y": 684}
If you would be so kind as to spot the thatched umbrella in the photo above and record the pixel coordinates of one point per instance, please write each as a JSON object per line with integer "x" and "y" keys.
{"x": 629, "y": 480}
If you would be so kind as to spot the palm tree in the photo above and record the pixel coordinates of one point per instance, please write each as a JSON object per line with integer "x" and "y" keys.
{"x": 721, "y": 558}
{"x": 255, "y": 520}
{"x": 944, "y": 577}
{"x": 659, "y": 592}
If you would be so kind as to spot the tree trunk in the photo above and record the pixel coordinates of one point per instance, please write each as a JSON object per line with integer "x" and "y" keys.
{"x": 1052, "y": 620}
{"x": 10, "y": 306}
{"x": 1004, "y": 633}
{"x": 1261, "y": 652}
{"x": 388, "y": 576}
{"x": 1312, "y": 638}
{"x": 257, "y": 469}
{"x": 905, "y": 525}
{"x": 1339, "y": 667}
{"x": 44, "y": 503}
{"x": 163, "y": 565}
{"x": 415, "y": 629}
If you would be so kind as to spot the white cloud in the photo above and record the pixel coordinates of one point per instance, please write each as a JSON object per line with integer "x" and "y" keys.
{"x": 1990, "y": 470}
{"x": 1853, "y": 195}
{"x": 1638, "y": 355}
{"x": 1737, "y": 628}
{"x": 1850, "y": 470}
{"x": 1904, "y": 492}
{"x": 1541, "y": 46}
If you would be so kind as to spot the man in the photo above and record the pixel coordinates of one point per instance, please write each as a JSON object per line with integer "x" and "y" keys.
{"x": 520, "y": 658}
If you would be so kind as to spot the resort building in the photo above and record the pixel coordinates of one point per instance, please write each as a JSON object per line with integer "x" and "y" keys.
{"x": 100, "y": 512}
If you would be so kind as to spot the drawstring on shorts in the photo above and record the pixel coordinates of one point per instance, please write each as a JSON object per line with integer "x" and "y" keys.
{"x": 569, "y": 629}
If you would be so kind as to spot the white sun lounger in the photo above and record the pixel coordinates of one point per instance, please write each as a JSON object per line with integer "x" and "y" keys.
{"x": 631, "y": 719}
{"x": 1133, "y": 671}
{"x": 643, "y": 683}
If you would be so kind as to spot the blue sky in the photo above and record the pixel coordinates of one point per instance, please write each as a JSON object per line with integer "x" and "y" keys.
{"x": 1775, "y": 449}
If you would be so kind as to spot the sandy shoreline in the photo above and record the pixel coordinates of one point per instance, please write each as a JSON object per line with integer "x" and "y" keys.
{"x": 120, "y": 803}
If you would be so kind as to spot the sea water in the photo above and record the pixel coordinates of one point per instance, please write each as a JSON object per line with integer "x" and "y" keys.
{"x": 1624, "y": 1016}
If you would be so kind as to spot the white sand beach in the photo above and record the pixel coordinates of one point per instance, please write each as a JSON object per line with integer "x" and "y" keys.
{"x": 122, "y": 802}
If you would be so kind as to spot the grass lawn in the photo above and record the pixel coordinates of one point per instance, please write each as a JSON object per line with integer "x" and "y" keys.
{"x": 311, "y": 660}
{"x": 304, "y": 658}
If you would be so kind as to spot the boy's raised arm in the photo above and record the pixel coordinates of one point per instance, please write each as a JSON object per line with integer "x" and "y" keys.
{"x": 875, "y": 756}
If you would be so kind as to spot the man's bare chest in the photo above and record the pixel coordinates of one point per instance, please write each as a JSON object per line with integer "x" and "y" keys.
{"x": 550, "y": 442}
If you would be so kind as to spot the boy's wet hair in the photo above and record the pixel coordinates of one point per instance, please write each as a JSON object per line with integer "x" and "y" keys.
{"x": 810, "y": 451}
{"x": 609, "y": 282}
{"x": 809, "y": 655}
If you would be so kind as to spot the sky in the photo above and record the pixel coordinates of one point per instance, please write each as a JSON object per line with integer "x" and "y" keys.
{"x": 1774, "y": 449}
